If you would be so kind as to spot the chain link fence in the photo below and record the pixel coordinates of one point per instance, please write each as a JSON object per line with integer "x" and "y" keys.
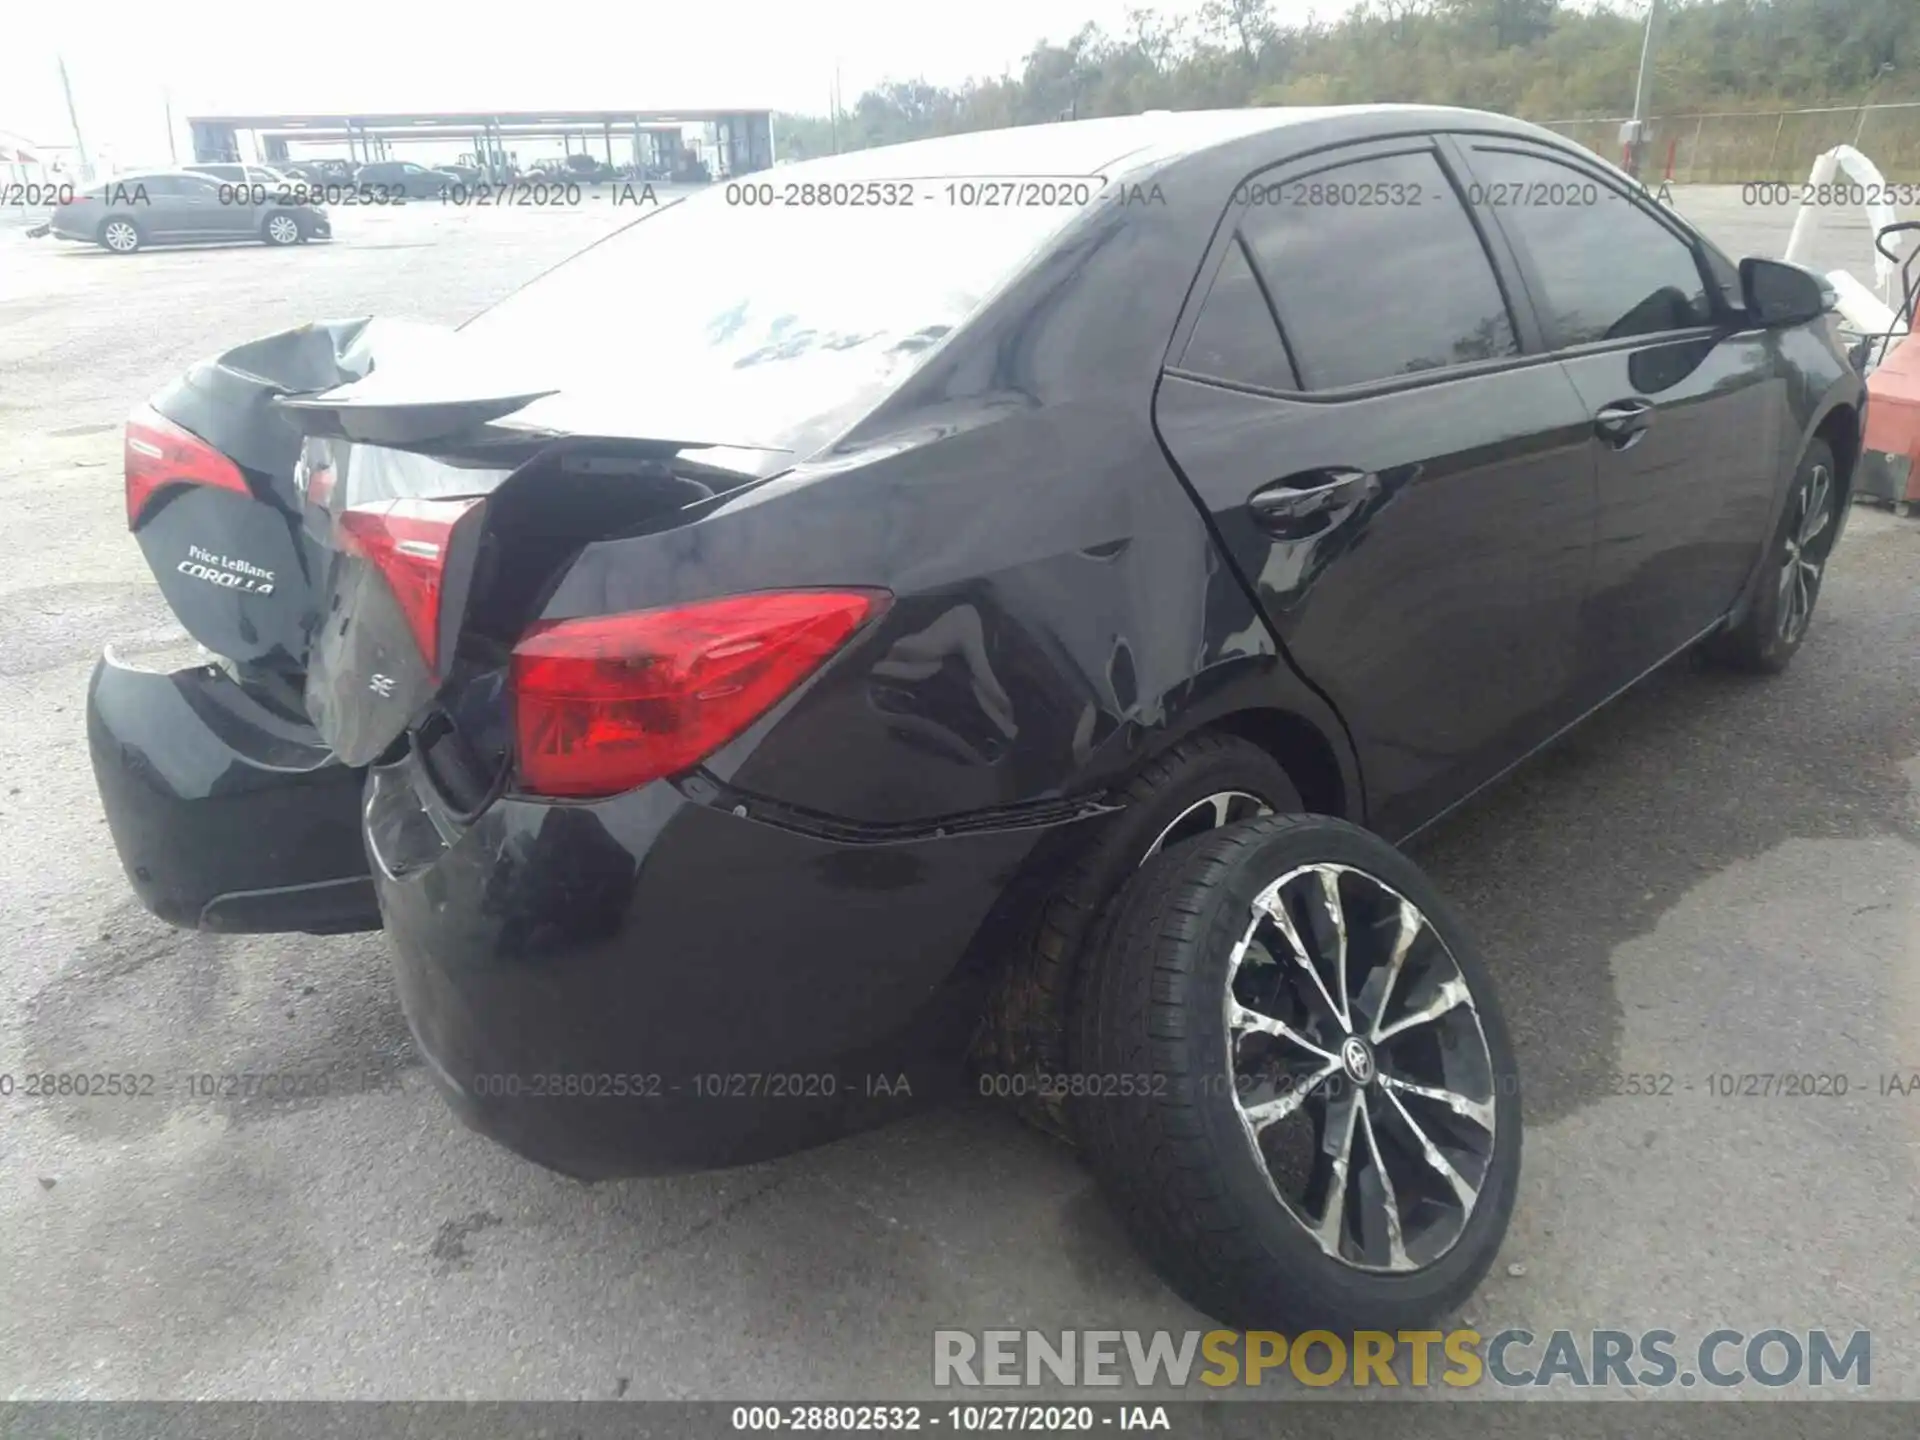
{"x": 1732, "y": 147}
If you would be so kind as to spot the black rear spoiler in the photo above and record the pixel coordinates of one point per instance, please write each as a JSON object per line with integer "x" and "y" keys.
{"x": 462, "y": 433}
{"x": 316, "y": 378}
{"x": 401, "y": 425}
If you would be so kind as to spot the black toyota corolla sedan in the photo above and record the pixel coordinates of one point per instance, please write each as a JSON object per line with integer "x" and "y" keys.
{"x": 994, "y": 609}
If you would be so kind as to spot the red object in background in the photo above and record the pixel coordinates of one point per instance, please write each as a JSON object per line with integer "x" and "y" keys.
{"x": 1890, "y": 466}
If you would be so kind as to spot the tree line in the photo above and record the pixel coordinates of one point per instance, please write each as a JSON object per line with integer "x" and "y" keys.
{"x": 1540, "y": 59}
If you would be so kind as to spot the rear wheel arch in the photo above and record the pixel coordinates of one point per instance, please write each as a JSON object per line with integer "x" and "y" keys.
{"x": 1224, "y": 767}
{"x": 1304, "y": 752}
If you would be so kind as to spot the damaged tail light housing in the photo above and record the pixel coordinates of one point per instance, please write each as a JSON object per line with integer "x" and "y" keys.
{"x": 610, "y": 702}
{"x": 407, "y": 542}
{"x": 160, "y": 455}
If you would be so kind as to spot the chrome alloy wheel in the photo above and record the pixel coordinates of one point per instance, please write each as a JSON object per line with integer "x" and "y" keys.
{"x": 1805, "y": 555}
{"x": 1215, "y": 812}
{"x": 283, "y": 230}
{"x": 1359, "y": 1068}
{"x": 121, "y": 236}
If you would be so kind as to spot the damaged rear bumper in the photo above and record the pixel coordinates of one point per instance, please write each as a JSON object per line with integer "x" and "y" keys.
{"x": 668, "y": 981}
{"x": 227, "y": 814}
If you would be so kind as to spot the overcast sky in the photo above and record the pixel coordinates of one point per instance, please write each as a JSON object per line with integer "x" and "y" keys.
{"x": 226, "y": 56}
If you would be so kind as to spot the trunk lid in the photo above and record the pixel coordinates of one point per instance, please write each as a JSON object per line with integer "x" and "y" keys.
{"x": 234, "y": 560}
{"x": 432, "y": 560}
{"x": 397, "y": 528}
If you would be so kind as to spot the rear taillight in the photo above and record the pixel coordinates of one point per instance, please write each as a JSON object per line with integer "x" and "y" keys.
{"x": 159, "y": 454}
{"x": 406, "y": 541}
{"x": 608, "y": 703}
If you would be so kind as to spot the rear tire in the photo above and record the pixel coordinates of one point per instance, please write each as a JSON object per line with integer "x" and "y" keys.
{"x": 281, "y": 228}
{"x": 1172, "y": 798}
{"x": 1771, "y": 632}
{"x": 121, "y": 235}
{"x": 1213, "y": 1131}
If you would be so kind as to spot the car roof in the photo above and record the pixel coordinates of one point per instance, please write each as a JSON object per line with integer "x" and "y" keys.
{"x": 152, "y": 173}
{"x": 1082, "y": 147}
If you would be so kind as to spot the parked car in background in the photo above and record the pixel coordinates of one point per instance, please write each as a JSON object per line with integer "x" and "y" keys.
{"x": 591, "y": 169}
{"x": 1029, "y": 620}
{"x": 171, "y": 207}
{"x": 403, "y": 177}
{"x": 322, "y": 172}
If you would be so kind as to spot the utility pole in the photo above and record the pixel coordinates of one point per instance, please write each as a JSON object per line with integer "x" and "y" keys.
{"x": 73, "y": 118}
{"x": 836, "y": 107}
{"x": 1635, "y": 136}
{"x": 1874, "y": 84}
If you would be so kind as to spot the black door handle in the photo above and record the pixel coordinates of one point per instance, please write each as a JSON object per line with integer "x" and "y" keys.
{"x": 1307, "y": 503}
{"x": 1623, "y": 422}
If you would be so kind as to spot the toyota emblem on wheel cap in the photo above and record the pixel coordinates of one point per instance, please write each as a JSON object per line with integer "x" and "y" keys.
{"x": 1358, "y": 1059}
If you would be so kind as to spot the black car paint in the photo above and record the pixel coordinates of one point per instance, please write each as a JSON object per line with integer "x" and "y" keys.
{"x": 237, "y": 760}
{"x": 826, "y": 896}
{"x": 228, "y": 402}
{"x": 186, "y": 759}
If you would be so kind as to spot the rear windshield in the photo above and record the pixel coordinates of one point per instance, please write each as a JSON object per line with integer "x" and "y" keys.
{"x": 786, "y": 312}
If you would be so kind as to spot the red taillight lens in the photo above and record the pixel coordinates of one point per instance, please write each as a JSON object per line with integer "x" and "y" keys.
{"x": 406, "y": 541}
{"x": 160, "y": 454}
{"x": 605, "y": 704}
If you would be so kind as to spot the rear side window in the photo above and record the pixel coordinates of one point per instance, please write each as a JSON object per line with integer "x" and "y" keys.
{"x": 1377, "y": 271}
{"x": 1607, "y": 269}
{"x": 1235, "y": 337}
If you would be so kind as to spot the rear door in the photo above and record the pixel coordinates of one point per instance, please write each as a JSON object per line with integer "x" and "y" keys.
{"x": 229, "y": 207}
{"x": 1405, "y": 479}
{"x": 187, "y": 207}
{"x": 1686, "y": 405}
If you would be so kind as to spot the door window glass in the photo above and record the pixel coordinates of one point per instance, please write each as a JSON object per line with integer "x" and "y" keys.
{"x": 1606, "y": 268}
{"x": 1235, "y": 337}
{"x": 1377, "y": 271}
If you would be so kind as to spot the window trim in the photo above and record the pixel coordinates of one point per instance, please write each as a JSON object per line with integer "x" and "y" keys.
{"x": 1723, "y": 319}
{"x": 1520, "y": 314}
{"x": 1236, "y": 243}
